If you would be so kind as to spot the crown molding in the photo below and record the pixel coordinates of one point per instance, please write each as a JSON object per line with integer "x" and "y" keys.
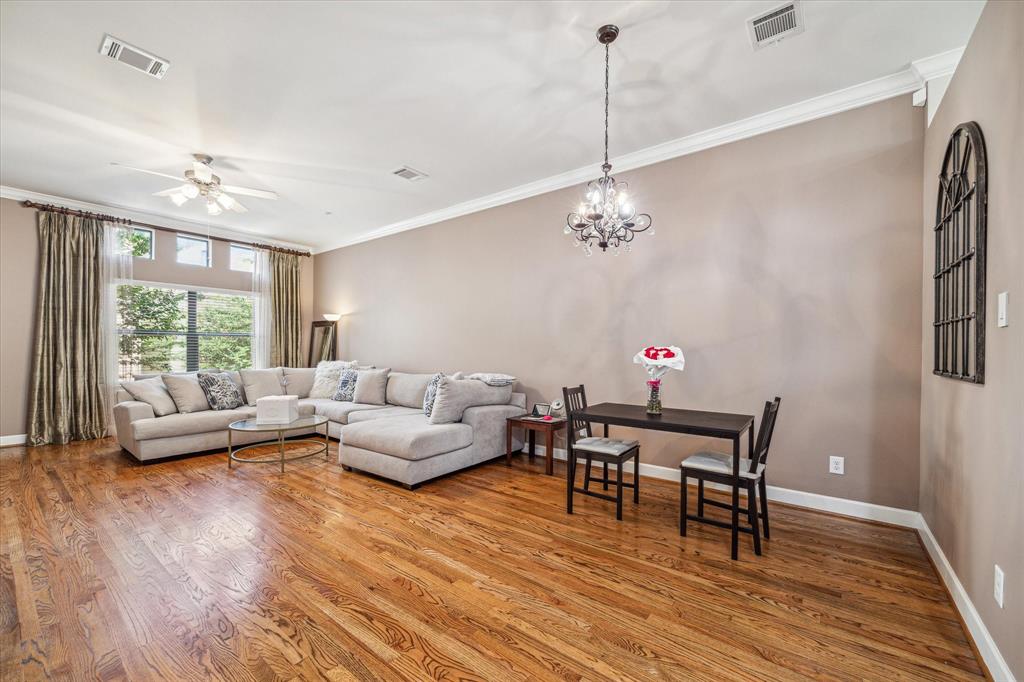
{"x": 16, "y": 194}
{"x": 906, "y": 81}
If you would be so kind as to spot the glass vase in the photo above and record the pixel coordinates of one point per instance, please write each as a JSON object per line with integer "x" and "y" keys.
{"x": 654, "y": 396}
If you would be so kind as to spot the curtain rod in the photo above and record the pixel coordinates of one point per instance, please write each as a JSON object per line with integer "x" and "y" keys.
{"x": 50, "y": 208}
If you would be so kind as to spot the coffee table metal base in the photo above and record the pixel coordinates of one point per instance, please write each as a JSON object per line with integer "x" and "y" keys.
{"x": 324, "y": 447}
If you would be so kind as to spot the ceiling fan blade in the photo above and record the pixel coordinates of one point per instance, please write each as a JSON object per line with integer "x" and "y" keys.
{"x": 229, "y": 202}
{"x": 238, "y": 208}
{"x": 167, "y": 192}
{"x": 143, "y": 170}
{"x": 259, "y": 193}
{"x": 203, "y": 172}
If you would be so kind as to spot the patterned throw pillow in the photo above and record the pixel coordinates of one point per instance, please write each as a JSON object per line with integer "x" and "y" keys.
{"x": 346, "y": 385}
{"x": 221, "y": 392}
{"x": 431, "y": 394}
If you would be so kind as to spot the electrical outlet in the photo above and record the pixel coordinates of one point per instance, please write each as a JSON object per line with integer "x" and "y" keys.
{"x": 999, "y": 586}
{"x": 836, "y": 465}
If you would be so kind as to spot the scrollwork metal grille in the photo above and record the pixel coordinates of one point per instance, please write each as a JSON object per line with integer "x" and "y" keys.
{"x": 960, "y": 228}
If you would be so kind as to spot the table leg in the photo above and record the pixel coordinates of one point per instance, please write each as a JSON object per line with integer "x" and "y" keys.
{"x": 605, "y": 484}
{"x": 570, "y": 478}
{"x": 280, "y": 445}
{"x": 735, "y": 497}
{"x": 549, "y": 453}
{"x": 229, "y": 448}
{"x": 533, "y": 444}
{"x": 327, "y": 441}
{"x": 508, "y": 445}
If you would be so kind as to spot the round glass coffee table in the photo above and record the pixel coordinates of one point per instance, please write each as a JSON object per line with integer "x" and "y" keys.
{"x": 302, "y": 423}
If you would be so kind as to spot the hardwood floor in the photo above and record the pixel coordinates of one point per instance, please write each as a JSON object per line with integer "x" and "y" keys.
{"x": 187, "y": 571}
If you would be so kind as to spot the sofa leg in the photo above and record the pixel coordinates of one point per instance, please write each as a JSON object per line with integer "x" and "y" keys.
{"x": 345, "y": 467}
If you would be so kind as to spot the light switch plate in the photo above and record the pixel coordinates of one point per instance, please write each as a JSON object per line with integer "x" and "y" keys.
{"x": 836, "y": 465}
{"x": 1002, "y": 299}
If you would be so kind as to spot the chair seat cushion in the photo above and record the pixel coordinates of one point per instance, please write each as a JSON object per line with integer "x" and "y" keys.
{"x": 410, "y": 437}
{"x": 605, "y": 446}
{"x": 720, "y": 463}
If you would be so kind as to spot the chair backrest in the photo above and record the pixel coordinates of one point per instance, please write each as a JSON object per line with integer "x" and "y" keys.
{"x": 575, "y": 402}
{"x": 764, "y": 435}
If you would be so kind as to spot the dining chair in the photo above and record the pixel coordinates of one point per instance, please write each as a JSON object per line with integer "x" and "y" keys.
{"x": 717, "y": 467}
{"x": 581, "y": 442}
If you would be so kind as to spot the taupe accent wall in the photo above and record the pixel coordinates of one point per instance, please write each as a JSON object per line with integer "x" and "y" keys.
{"x": 19, "y": 262}
{"x": 972, "y": 437}
{"x": 786, "y": 264}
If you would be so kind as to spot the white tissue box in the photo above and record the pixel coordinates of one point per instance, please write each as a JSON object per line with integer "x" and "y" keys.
{"x": 277, "y": 409}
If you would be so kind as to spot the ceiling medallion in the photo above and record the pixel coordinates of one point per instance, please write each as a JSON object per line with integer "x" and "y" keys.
{"x": 606, "y": 217}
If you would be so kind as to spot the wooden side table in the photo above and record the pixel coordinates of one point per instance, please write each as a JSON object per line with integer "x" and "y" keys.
{"x": 532, "y": 426}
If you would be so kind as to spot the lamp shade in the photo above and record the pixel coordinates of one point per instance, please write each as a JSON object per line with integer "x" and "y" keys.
{"x": 332, "y": 317}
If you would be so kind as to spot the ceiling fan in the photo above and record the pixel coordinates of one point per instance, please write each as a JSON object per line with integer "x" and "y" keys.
{"x": 201, "y": 182}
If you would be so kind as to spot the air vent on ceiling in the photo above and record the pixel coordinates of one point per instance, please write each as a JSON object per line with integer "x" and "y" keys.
{"x": 409, "y": 173}
{"x": 771, "y": 27}
{"x": 117, "y": 49}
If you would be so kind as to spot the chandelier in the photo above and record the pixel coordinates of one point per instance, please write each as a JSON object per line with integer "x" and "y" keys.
{"x": 606, "y": 217}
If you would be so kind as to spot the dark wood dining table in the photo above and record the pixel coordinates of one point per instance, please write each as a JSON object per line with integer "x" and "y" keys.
{"x": 691, "y": 422}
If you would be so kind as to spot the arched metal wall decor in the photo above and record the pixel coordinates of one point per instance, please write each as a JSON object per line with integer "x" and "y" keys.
{"x": 960, "y": 226}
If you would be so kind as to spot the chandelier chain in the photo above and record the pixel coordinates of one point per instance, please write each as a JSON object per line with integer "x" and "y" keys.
{"x": 606, "y": 104}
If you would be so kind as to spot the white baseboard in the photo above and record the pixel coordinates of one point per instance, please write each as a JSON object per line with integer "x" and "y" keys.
{"x": 16, "y": 439}
{"x": 990, "y": 653}
{"x": 997, "y": 665}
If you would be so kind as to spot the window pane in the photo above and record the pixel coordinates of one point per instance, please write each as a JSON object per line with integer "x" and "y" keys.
{"x": 142, "y": 243}
{"x": 241, "y": 258}
{"x": 225, "y": 352}
{"x": 193, "y": 251}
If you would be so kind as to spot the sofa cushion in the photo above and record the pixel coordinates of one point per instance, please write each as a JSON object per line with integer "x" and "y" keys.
{"x": 407, "y": 390}
{"x": 187, "y": 393}
{"x": 186, "y": 424}
{"x": 221, "y": 391}
{"x": 384, "y": 412}
{"x": 371, "y": 386}
{"x": 325, "y": 378}
{"x": 455, "y": 395}
{"x": 339, "y": 411}
{"x": 259, "y": 383}
{"x": 307, "y": 406}
{"x": 411, "y": 437}
{"x": 154, "y": 392}
{"x": 298, "y": 380}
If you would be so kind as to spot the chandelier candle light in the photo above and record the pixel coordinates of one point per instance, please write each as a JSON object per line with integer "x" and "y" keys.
{"x": 606, "y": 217}
{"x": 658, "y": 360}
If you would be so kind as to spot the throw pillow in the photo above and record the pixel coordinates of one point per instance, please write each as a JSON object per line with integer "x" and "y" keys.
{"x": 154, "y": 392}
{"x": 431, "y": 393}
{"x": 325, "y": 378}
{"x": 259, "y": 383}
{"x": 407, "y": 390}
{"x": 346, "y": 385}
{"x": 221, "y": 392}
{"x": 455, "y": 395}
{"x": 298, "y": 380}
{"x": 187, "y": 393}
{"x": 371, "y": 386}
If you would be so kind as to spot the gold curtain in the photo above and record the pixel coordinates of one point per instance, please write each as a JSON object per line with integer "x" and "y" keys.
{"x": 67, "y": 401}
{"x": 285, "y": 317}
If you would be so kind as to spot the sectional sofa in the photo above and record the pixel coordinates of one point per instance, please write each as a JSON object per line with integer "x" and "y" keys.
{"x": 394, "y": 440}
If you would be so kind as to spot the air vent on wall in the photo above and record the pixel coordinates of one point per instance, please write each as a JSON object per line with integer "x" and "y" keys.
{"x": 775, "y": 25}
{"x": 410, "y": 174}
{"x": 117, "y": 49}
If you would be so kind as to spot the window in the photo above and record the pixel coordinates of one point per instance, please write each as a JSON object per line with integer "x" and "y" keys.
{"x": 242, "y": 258}
{"x": 171, "y": 329}
{"x": 142, "y": 242}
{"x": 193, "y": 251}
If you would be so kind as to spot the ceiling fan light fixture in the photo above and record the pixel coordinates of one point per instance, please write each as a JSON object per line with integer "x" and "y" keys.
{"x": 213, "y": 208}
{"x": 190, "y": 191}
{"x": 201, "y": 167}
{"x": 226, "y": 201}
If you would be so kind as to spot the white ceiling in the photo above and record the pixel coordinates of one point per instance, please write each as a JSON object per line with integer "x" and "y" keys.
{"x": 319, "y": 102}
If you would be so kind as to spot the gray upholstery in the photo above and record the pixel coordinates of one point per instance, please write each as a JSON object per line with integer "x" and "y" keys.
{"x": 455, "y": 395}
{"x": 606, "y": 446}
{"x": 151, "y": 391}
{"x": 184, "y": 424}
{"x": 259, "y": 383}
{"x": 371, "y": 386}
{"x": 387, "y": 411}
{"x": 338, "y": 411}
{"x": 187, "y": 393}
{"x": 299, "y": 380}
{"x": 410, "y": 437}
{"x": 721, "y": 463}
{"x": 407, "y": 390}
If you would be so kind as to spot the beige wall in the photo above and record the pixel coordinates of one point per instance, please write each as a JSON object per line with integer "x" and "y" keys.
{"x": 785, "y": 264}
{"x": 19, "y": 262}
{"x": 19, "y": 257}
{"x": 972, "y": 437}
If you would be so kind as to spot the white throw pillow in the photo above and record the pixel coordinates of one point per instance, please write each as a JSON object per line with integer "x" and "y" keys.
{"x": 325, "y": 379}
{"x": 154, "y": 392}
{"x": 259, "y": 383}
{"x": 187, "y": 393}
{"x": 371, "y": 386}
{"x": 455, "y": 395}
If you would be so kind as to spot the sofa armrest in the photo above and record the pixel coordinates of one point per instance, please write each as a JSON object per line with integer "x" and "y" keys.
{"x": 488, "y": 422}
{"x": 124, "y": 414}
{"x": 518, "y": 400}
